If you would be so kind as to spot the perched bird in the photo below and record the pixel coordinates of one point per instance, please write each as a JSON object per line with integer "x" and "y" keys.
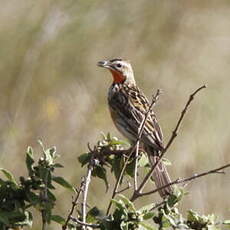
{"x": 128, "y": 106}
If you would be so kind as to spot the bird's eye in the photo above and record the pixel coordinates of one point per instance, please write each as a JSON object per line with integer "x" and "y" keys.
{"x": 118, "y": 65}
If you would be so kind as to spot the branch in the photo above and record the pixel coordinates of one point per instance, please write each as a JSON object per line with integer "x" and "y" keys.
{"x": 158, "y": 205}
{"x": 74, "y": 204}
{"x": 44, "y": 197}
{"x": 84, "y": 224}
{"x": 136, "y": 166}
{"x": 183, "y": 180}
{"x": 175, "y": 131}
{"x": 124, "y": 189}
{"x": 140, "y": 131}
{"x": 87, "y": 180}
{"x": 137, "y": 193}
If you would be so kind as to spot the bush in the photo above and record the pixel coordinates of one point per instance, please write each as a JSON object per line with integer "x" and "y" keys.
{"x": 109, "y": 154}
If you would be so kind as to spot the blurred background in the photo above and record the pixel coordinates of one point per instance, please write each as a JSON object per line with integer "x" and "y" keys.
{"x": 52, "y": 89}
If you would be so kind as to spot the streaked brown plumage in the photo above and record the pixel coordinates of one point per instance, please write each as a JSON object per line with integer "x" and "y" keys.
{"x": 128, "y": 106}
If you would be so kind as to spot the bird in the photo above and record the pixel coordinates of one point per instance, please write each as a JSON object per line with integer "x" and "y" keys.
{"x": 128, "y": 106}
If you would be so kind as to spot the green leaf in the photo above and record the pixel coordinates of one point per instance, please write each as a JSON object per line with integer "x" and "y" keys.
{"x": 57, "y": 165}
{"x": 130, "y": 168}
{"x": 29, "y": 160}
{"x": 165, "y": 221}
{"x": 43, "y": 173}
{"x": 33, "y": 198}
{"x": 100, "y": 172}
{"x": 143, "y": 161}
{"x": 28, "y": 220}
{"x": 212, "y": 227}
{"x": 58, "y": 219}
{"x": 192, "y": 216}
{"x": 171, "y": 220}
{"x": 51, "y": 196}
{"x": 108, "y": 137}
{"x": 182, "y": 226}
{"x": 227, "y": 222}
{"x": 129, "y": 204}
{"x": 148, "y": 215}
{"x": 119, "y": 204}
{"x": 166, "y": 161}
{"x": 124, "y": 225}
{"x": 4, "y": 219}
{"x": 144, "y": 226}
{"x": 30, "y": 151}
{"x": 146, "y": 208}
{"x": 8, "y": 175}
{"x": 84, "y": 159}
{"x": 52, "y": 151}
{"x": 177, "y": 195}
{"x": 93, "y": 215}
{"x": 117, "y": 165}
{"x": 118, "y": 142}
{"x": 48, "y": 155}
{"x": 64, "y": 183}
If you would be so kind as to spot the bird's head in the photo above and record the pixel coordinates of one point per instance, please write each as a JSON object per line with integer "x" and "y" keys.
{"x": 121, "y": 70}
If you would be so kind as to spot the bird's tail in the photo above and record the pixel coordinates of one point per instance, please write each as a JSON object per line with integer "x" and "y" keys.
{"x": 161, "y": 176}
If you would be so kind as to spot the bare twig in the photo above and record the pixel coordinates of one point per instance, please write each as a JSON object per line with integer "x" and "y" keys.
{"x": 124, "y": 189}
{"x": 119, "y": 180}
{"x": 74, "y": 204}
{"x": 137, "y": 192}
{"x": 44, "y": 197}
{"x": 157, "y": 205}
{"x": 83, "y": 223}
{"x": 175, "y": 131}
{"x": 141, "y": 129}
{"x": 87, "y": 180}
{"x": 136, "y": 166}
{"x": 183, "y": 180}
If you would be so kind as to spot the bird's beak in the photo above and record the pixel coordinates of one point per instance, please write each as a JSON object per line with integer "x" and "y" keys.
{"x": 104, "y": 64}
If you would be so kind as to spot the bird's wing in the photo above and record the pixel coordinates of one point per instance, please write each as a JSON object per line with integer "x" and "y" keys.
{"x": 131, "y": 106}
{"x": 140, "y": 105}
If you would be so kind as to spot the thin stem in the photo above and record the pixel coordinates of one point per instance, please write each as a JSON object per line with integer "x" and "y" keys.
{"x": 119, "y": 180}
{"x": 136, "y": 166}
{"x": 74, "y": 204}
{"x": 183, "y": 180}
{"x": 137, "y": 193}
{"x": 157, "y": 205}
{"x": 44, "y": 197}
{"x": 85, "y": 191}
{"x": 44, "y": 223}
{"x": 124, "y": 189}
{"x": 84, "y": 224}
{"x": 175, "y": 131}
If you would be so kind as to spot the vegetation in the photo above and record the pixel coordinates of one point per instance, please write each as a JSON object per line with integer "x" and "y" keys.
{"x": 37, "y": 191}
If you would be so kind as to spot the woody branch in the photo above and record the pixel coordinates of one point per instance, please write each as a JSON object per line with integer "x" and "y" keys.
{"x": 188, "y": 179}
{"x": 137, "y": 193}
{"x": 74, "y": 204}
